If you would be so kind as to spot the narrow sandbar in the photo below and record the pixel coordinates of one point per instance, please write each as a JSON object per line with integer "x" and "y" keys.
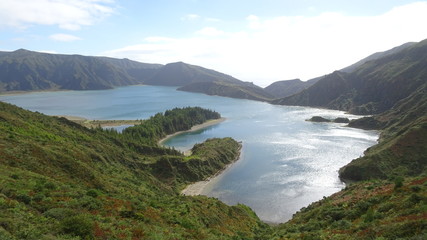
{"x": 100, "y": 123}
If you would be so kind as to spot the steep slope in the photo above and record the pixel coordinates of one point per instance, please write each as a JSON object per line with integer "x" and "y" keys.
{"x": 375, "y": 56}
{"x": 63, "y": 181}
{"x": 226, "y": 89}
{"x": 366, "y": 210}
{"x": 373, "y": 88}
{"x": 402, "y": 150}
{"x": 321, "y": 93}
{"x": 285, "y": 88}
{"x": 281, "y": 89}
{"x": 24, "y": 70}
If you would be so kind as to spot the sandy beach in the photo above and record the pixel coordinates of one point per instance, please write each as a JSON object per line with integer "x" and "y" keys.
{"x": 197, "y": 188}
{"x": 194, "y": 128}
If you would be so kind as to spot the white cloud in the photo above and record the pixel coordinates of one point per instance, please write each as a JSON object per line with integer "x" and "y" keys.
{"x": 254, "y": 21}
{"x": 190, "y": 17}
{"x": 288, "y": 47}
{"x": 69, "y": 15}
{"x": 212, "y": 19}
{"x": 210, "y": 31}
{"x": 64, "y": 37}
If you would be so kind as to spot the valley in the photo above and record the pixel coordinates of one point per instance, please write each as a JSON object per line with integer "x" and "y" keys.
{"x": 55, "y": 171}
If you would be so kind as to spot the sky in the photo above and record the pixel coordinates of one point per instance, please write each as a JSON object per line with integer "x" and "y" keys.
{"x": 259, "y": 41}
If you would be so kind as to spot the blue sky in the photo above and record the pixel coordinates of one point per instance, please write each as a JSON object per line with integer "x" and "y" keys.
{"x": 253, "y": 40}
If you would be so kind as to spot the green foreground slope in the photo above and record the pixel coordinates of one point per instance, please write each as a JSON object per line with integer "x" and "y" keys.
{"x": 60, "y": 180}
{"x": 366, "y": 210}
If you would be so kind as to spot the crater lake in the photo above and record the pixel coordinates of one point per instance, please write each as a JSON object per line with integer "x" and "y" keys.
{"x": 286, "y": 162}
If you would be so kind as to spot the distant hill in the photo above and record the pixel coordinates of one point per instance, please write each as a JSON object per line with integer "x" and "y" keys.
{"x": 193, "y": 78}
{"x": 374, "y": 87}
{"x": 137, "y": 70}
{"x": 285, "y": 88}
{"x": 227, "y": 89}
{"x": 181, "y": 74}
{"x": 24, "y": 70}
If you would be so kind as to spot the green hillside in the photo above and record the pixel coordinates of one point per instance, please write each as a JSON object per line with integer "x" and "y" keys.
{"x": 402, "y": 150}
{"x": 24, "y": 70}
{"x": 60, "y": 180}
{"x": 367, "y": 210}
{"x": 374, "y": 87}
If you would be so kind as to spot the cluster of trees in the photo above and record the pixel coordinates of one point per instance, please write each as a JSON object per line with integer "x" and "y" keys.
{"x": 175, "y": 120}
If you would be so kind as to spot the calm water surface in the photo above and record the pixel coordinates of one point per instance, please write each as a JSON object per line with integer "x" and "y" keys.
{"x": 286, "y": 162}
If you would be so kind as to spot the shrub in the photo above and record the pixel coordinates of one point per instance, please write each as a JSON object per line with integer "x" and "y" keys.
{"x": 59, "y": 213}
{"x": 398, "y": 182}
{"x": 79, "y": 225}
{"x": 23, "y": 197}
{"x": 92, "y": 193}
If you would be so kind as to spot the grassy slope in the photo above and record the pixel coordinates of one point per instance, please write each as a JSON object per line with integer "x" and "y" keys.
{"x": 403, "y": 145}
{"x": 367, "y": 210}
{"x": 59, "y": 180}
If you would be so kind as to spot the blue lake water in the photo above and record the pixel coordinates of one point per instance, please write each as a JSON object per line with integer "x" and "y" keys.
{"x": 286, "y": 162}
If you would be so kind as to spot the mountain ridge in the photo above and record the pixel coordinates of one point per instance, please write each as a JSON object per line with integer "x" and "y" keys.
{"x": 24, "y": 70}
{"x": 372, "y": 88}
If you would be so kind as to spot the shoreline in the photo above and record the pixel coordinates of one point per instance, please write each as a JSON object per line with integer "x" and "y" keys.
{"x": 99, "y": 123}
{"x": 192, "y": 129}
{"x": 196, "y": 188}
{"x": 23, "y": 92}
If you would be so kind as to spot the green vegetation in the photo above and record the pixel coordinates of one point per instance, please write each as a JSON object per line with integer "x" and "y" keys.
{"x": 322, "y": 119}
{"x": 318, "y": 119}
{"x": 402, "y": 150}
{"x": 367, "y": 210}
{"x": 60, "y": 180}
{"x": 24, "y": 70}
{"x": 175, "y": 120}
{"x": 372, "y": 88}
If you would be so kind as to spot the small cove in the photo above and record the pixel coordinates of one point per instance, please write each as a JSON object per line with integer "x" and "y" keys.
{"x": 286, "y": 162}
